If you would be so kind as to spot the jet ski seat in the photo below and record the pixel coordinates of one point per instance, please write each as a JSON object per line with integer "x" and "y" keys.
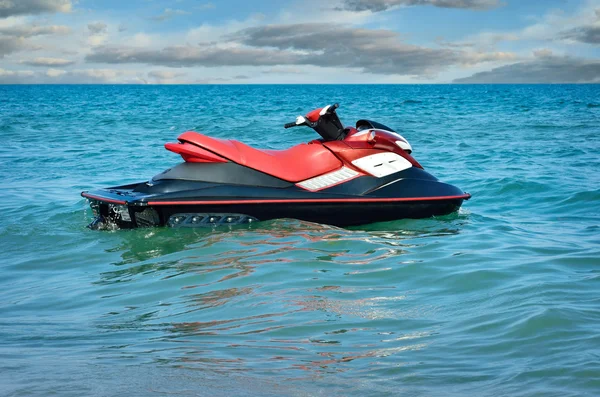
{"x": 296, "y": 164}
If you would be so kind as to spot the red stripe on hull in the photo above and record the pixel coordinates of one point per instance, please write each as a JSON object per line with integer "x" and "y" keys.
{"x": 275, "y": 201}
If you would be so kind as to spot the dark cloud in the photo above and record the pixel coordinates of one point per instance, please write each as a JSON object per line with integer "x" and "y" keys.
{"x": 48, "y": 62}
{"x": 545, "y": 69}
{"x": 186, "y": 56}
{"x": 382, "y": 5}
{"x": 8, "y": 45}
{"x": 9, "y": 8}
{"x": 33, "y": 30}
{"x": 97, "y": 27}
{"x": 371, "y": 51}
{"x": 584, "y": 34}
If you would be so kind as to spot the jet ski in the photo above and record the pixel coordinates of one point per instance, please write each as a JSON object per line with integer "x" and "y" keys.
{"x": 351, "y": 176}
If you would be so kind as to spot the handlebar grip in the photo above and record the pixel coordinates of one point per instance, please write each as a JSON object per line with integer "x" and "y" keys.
{"x": 290, "y": 125}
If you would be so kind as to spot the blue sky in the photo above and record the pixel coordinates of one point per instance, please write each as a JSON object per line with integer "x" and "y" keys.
{"x": 310, "y": 41}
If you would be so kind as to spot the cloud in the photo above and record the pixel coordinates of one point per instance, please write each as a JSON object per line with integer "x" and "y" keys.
{"x": 97, "y": 28}
{"x": 10, "y": 8}
{"x": 185, "y": 56}
{"x": 544, "y": 69}
{"x": 55, "y": 72}
{"x": 168, "y": 14}
{"x": 77, "y": 76}
{"x": 383, "y": 5}
{"x": 164, "y": 74}
{"x": 280, "y": 70}
{"x": 100, "y": 75}
{"x": 167, "y": 77}
{"x": 368, "y": 51}
{"x": 33, "y": 30}
{"x": 584, "y": 34}
{"x": 8, "y": 45}
{"x": 586, "y": 29}
{"x": 48, "y": 62}
{"x": 371, "y": 51}
{"x": 12, "y": 76}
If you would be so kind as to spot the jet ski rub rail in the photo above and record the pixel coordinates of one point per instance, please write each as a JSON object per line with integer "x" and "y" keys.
{"x": 465, "y": 196}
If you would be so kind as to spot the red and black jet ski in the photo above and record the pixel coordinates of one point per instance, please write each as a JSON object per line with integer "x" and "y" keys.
{"x": 351, "y": 176}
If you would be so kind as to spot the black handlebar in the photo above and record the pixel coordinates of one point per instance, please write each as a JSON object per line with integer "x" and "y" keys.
{"x": 330, "y": 110}
{"x": 333, "y": 107}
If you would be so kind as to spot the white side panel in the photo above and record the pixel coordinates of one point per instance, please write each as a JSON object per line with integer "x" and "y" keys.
{"x": 327, "y": 180}
{"x": 382, "y": 164}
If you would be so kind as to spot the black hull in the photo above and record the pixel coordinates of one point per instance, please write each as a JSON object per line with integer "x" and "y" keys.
{"x": 164, "y": 200}
{"x": 335, "y": 214}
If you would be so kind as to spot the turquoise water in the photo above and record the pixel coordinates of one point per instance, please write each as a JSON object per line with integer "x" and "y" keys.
{"x": 501, "y": 298}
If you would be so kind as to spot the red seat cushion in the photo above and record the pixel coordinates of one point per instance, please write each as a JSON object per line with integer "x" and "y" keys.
{"x": 295, "y": 164}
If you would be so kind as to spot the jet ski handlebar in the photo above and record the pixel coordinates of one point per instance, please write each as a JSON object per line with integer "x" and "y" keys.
{"x": 302, "y": 120}
{"x": 331, "y": 108}
{"x": 324, "y": 121}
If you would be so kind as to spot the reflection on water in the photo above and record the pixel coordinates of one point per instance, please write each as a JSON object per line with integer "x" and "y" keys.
{"x": 282, "y": 296}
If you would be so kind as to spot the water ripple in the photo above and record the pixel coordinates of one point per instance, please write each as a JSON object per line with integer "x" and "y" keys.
{"x": 500, "y": 297}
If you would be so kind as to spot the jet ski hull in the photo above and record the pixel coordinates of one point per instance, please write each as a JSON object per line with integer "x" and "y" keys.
{"x": 411, "y": 193}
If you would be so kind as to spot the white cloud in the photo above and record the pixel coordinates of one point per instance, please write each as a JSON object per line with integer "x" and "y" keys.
{"x": 15, "y": 73}
{"x": 164, "y": 74}
{"x": 41, "y": 61}
{"x": 55, "y": 72}
{"x": 167, "y": 77}
{"x": 78, "y": 76}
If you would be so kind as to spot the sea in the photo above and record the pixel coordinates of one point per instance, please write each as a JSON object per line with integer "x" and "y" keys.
{"x": 501, "y": 298}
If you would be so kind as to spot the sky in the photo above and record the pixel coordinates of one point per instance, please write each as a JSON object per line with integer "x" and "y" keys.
{"x": 299, "y": 41}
